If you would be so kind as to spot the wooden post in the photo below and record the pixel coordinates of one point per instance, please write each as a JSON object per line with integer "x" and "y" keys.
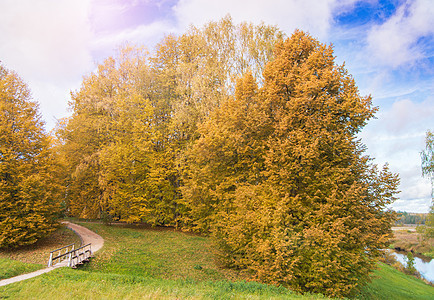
{"x": 50, "y": 261}
{"x": 69, "y": 258}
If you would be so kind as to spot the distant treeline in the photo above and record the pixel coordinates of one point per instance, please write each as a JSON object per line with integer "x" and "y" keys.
{"x": 411, "y": 218}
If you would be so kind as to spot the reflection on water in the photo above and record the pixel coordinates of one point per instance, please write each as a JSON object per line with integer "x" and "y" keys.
{"x": 425, "y": 268}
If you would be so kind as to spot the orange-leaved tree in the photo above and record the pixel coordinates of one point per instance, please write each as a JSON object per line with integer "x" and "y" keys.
{"x": 281, "y": 180}
{"x": 132, "y": 120}
{"x": 28, "y": 192}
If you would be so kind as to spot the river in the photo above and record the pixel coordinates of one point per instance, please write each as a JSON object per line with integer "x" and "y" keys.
{"x": 425, "y": 268}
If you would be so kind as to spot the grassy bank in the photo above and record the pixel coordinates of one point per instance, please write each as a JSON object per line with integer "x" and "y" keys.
{"x": 144, "y": 263}
{"x": 78, "y": 284}
{"x": 389, "y": 283}
{"x": 10, "y": 268}
{"x": 158, "y": 252}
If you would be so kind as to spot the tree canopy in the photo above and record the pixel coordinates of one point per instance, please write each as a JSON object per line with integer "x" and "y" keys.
{"x": 280, "y": 179}
{"x": 132, "y": 120}
{"x": 28, "y": 192}
{"x": 237, "y": 132}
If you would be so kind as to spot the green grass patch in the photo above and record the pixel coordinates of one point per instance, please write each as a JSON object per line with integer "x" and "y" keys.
{"x": 10, "y": 268}
{"x": 429, "y": 254}
{"x": 158, "y": 252}
{"x": 139, "y": 262}
{"x": 389, "y": 283}
{"x": 78, "y": 284}
{"x": 148, "y": 263}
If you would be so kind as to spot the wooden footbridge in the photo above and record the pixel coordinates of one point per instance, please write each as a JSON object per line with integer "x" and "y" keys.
{"x": 69, "y": 256}
{"x": 66, "y": 256}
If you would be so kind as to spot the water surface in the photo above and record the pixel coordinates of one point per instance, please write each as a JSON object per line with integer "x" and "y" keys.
{"x": 425, "y": 268}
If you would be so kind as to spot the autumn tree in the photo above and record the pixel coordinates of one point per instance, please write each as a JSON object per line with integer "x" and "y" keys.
{"x": 428, "y": 171}
{"x": 107, "y": 140}
{"x": 280, "y": 179}
{"x": 208, "y": 61}
{"x": 228, "y": 155}
{"x": 28, "y": 193}
{"x": 124, "y": 144}
{"x": 428, "y": 158}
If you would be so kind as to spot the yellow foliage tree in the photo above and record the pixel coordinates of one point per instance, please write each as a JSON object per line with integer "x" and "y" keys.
{"x": 280, "y": 179}
{"x": 123, "y": 148}
{"x": 28, "y": 193}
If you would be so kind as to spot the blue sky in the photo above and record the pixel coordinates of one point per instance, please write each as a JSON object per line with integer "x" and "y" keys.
{"x": 388, "y": 46}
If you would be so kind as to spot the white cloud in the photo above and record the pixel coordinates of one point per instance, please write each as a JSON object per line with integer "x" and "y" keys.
{"x": 47, "y": 43}
{"x": 146, "y": 35}
{"x": 394, "y": 42}
{"x": 406, "y": 116}
{"x": 398, "y": 137}
{"x": 415, "y": 205}
{"x": 53, "y": 99}
{"x": 309, "y": 15}
{"x": 403, "y": 122}
{"x": 45, "y": 39}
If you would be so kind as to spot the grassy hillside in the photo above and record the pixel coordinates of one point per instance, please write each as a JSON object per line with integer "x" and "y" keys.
{"x": 143, "y": 263}
{"x": 389, "y": 283}
{"x": 77, "y": 284}
{"x": 10, "y": 268}
{"x": 159, "y": 253}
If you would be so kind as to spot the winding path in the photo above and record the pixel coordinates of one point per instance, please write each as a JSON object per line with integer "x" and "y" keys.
{"x": 87, "y": 236}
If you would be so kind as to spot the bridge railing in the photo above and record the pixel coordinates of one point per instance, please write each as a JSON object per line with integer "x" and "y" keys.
{"x": 80, "y": 255}
{"x": 59, "y": 255}
{"x": 72, "y": 256}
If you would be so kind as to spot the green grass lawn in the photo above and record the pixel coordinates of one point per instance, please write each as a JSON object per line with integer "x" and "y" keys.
{"x": 147, "y": 263}
{"x": 160, "y": 253}
{"x": 144, "y": 263}
{"x": 78, "y": 284}
{"x": 10, "y": 268}
{"x": 389, "y": 283}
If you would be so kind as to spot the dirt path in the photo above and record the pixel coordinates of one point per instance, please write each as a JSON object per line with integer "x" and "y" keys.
{"x": 86, "y": 236}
